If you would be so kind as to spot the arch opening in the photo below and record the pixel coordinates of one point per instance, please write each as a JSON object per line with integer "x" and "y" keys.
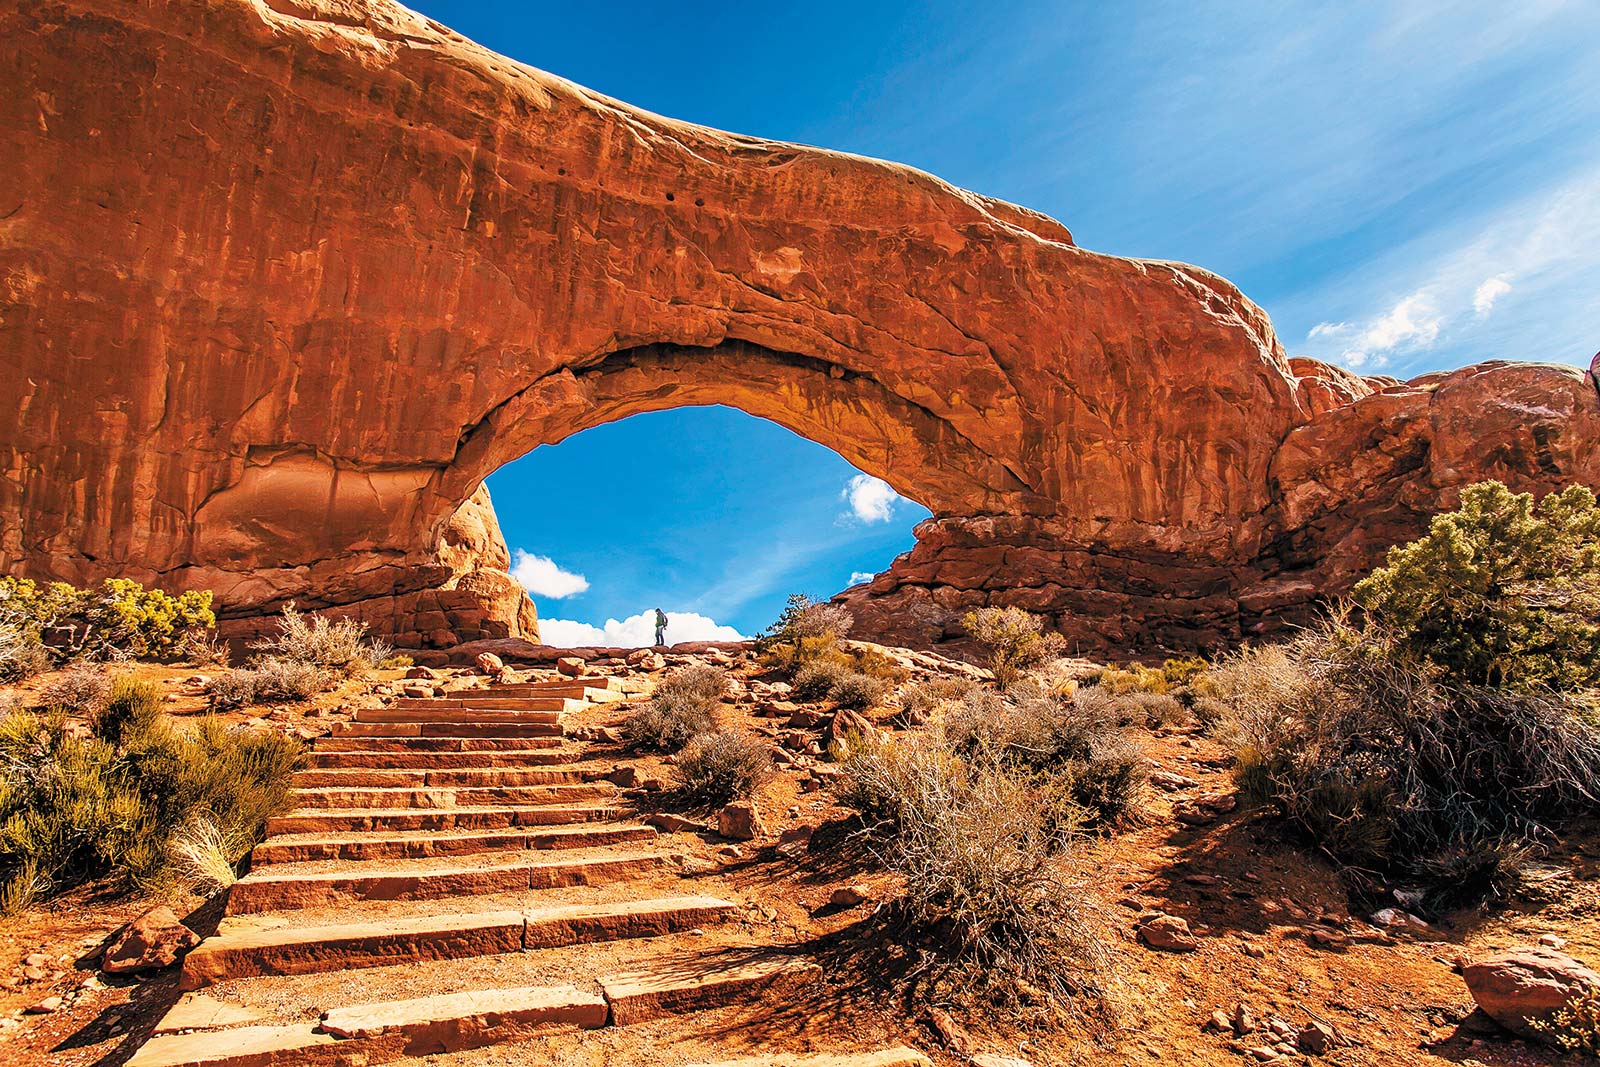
{"x": 706, "y": 511}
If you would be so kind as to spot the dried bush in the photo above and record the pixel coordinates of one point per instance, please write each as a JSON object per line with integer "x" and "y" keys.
{"x": 803, "y": 617}
{"x": 992, "y": 877}
{"x": 22, "y": 654}
{"x": 684, "y": 705}
{"x": 1499, "y": 592}
{"x": 337, "y": 645}
{"x": 1075, "y": 744}
{"x": 233, "y": 689}
{"x": 204, "y": 648}
{"x": 856, "y": 689}
{"x": 1017, "y": 640}
{"x": 82, "y": 689}
{"x": 920, "y": 701}
{"x": 76, "y": 807}
{"x": 721, "y": 765}
{"x": 1395, "y": 768}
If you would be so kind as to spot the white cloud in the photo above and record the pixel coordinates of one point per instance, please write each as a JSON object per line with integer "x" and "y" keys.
{"x": 1489, "y": 291}
{"x": 871, "y": 499}
{"x": 541, "y": 576}
{"x": 1327, "y": 329}
{"x": 858, "y": 577}
{"x": 636, "y": 631}
{"x": 1411, "y": 324}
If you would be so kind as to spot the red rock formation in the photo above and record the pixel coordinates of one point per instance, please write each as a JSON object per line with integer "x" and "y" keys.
{"x": 281, "y": 282}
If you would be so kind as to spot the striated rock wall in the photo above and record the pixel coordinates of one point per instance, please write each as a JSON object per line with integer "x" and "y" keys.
{"x": 282, "y": 281}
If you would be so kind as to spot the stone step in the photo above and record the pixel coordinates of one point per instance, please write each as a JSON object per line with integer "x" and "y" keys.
{"x": 246, "y": 951}
{"x": 677, "y": 985}
{"x": 312, "y": 847}
{"x": 898, "y": 1056}
{"x": 250, "y": 1046}
{"x": 549, "y": 705}
{"x": 605, "y": 682}
{"x": 451, "y": 1022}
{"x": 451, "y": 777}
{"x": 443, "y": 796}
{"x": 363, "y": 1034}
{"x": 461, "y": 711}
{"x": 451, "y": 728}
{"x": 415, "y": 759}
{"x": 454, "y": 745}
{"x": 275, "y": 888}
{"x": 381, "y": 820}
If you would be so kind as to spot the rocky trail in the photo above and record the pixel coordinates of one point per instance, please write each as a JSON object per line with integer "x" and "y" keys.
{"x": 466, "y": 850}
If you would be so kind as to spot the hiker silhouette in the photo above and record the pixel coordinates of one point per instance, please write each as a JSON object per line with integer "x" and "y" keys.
{"x": 661, "y": 627}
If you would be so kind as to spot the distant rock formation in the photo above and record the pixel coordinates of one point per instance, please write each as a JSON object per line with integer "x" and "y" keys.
{"x": 282, "y": 282}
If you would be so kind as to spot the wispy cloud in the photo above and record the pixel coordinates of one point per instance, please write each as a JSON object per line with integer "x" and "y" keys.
{"x": 1491, "y": 290}
{"x": 542, "y": 576}
{"x": 860, "y": 577}
{"x": 1457, "y": 293}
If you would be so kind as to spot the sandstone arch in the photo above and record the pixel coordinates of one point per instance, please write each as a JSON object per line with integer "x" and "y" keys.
{"x": 282, "y": 280}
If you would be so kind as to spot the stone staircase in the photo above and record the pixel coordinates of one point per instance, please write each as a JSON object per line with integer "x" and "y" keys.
{"x": 458, "y": 874}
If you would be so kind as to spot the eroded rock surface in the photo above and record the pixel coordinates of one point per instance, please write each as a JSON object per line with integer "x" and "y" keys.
{"x": 282, "y": 283}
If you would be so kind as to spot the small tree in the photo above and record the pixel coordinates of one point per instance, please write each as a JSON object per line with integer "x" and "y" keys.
{"x": 1017, "y": 640}
{"x": 1499, "y": 592}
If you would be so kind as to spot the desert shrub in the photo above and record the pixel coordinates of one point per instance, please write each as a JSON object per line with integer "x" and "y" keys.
{"x": 721, "y": 765}
{"x": 1076, "y": 745}
{"x": 107, "y": 804}
{"x": 857, "y": 689}
{"x": 684, "y": 705}
{"x": 1396, "y": 768}
{"x": 119, "y": 618}
{"x": 920, "y": 701}
{"x": 339, "y": 645}
{"x": 1499, "y": 592}
{"x": 1134, "y": 678}
{"x": 22, "y": 654}
{"x": 82, "y": 689}
{"x": 395, "y": 661}
{"x": 1178, "y": 672}
{"x": 1575, "y": 1026}
{"x": 204, "y": 648}
{"x": 803, "y": 617}
{"x": 993, "y": 879}
{"x": 1017, "y": 640}
{"x": 132, "y": 708}
{"x": 233, "y": 689}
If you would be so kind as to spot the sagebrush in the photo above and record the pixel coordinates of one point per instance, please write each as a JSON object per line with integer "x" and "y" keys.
{"x": 1017, "y": 640}
{"x": 107, "y": 804}
{"x": 687, "y": 703}
{"x": 721, "y": 765}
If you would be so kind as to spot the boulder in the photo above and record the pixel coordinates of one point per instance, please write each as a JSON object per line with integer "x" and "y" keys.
{"x": 571, "y": 666}
{"x": 425, "y": 673}
{"x": 490, "y": 664}
{"x": 151, "y": 942}
{"x": 1168, "y": 933}
{"x": 849, "y": 896}
{"x": 740, "y": 821}
{"x": 1522, "y": 985}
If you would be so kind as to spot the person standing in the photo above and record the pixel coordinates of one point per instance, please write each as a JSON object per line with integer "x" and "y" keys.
{"x": 661, "y": 627}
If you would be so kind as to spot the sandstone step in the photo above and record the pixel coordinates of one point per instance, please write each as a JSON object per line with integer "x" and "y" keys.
{"x": 368, "y": 820}
{"x": 453, "y": 777}
{"x": 450, "y": 745}
{"x": 460, "y": 711}
{"x": 275, "y": 888}
{"x": 451, "y": 1022}
{"x": 250, "y": 1046}
{"x": 678, "y": 985}
{"x": 898, "y": 1056}
{"x": 311, "y": 847}
{"x": 549, "y": 705}
{"x": 420, "y": 759}
{"x": 585, "y": 681}
{"x": 454, "y": 729}
{"x": 449, "y": 796}
{"x": 245, "y": 951}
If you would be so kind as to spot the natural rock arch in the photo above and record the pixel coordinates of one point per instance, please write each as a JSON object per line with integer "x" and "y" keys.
{"x": 282, "y": 281}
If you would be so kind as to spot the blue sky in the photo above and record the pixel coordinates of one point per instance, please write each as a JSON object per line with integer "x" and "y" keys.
{"x": 1403, "y": 186}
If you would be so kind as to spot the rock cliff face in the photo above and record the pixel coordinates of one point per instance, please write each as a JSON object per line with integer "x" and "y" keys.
{"x": 282, "y": 281}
